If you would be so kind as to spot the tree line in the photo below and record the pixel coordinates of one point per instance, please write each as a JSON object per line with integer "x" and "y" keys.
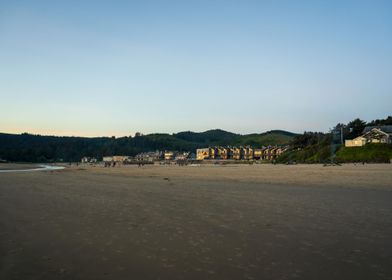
{"x": 36, "y": 148}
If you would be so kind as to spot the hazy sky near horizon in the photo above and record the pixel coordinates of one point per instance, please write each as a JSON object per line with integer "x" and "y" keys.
{"x": 98, "y": 68}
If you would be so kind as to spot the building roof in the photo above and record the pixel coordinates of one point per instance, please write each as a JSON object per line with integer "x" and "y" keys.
{"x": 384, "y": 128}
{"x": 357, "y": 138}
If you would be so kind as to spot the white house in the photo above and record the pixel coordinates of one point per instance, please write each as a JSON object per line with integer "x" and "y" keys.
{"x": 372, "y": 134}
{"x": 356, "y": 142}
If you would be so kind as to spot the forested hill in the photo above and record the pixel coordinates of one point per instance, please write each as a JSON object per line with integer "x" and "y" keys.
{"x": 37, "y": 148}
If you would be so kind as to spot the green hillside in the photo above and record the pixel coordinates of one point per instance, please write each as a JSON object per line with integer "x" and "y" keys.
{"x": 367, "y": 153}
{"x": 309, "y": 147}
{"x": 273, "y": 137}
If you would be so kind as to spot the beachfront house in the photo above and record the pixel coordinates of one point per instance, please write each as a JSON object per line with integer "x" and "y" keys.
{"x": 149, "y": 156}
{"x": 88, "y": 160}
{"x": 372, "y": 134}
{"x": 169, "y": 155}
{"x": 202, "y": 154}
{"x": 258, "y": 154}
{"x": 182, "y": 156}
{"x": 222, "y": 153}
{"x": 107, "y": 159}
{"x": 117, "y": 159}
{"x": 247, "y": 153}
{"x": 236, "y": 153}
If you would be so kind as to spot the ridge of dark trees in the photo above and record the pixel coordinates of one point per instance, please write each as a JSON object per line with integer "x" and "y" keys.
{"x": 27, "y": 147}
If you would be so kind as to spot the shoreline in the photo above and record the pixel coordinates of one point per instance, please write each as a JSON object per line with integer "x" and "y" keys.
{"x": 30, "y": 168}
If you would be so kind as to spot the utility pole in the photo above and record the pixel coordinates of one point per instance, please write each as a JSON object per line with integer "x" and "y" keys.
{"x": 341, "y": 135}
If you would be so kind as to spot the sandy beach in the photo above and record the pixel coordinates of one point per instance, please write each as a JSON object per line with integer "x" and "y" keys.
{"x": 347, "y": 175}
{"x": 197, "y": 222}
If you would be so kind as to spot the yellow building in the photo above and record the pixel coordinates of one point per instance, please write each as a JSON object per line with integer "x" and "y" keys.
{"x": 247, "y": 153}
{"x": 258, "y": 153}
{"x": 202, "y": 154}
{"x": 268, "y": 153}
{"x": 213, "y": 153}
{"x": 169, "y": 155}
{"x": 239, "y": 153}
{"x": 356, "y": 142}
{"x": 236, "y": 153}
{"x": 222, "y": 153}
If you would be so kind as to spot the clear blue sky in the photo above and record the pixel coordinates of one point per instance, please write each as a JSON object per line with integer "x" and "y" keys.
{"x": 116, "y": 67}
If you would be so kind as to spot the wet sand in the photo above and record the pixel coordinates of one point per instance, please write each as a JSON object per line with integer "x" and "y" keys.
{"x": 197, "y": 222}
{"x": 14, "y": 166}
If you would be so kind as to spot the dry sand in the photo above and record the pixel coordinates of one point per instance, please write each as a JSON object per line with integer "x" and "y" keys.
{"x": 197, "y": 222}
{"x": 349, "y": 175}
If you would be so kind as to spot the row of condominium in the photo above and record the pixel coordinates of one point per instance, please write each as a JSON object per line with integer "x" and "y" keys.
{"x": 239, "y": 153}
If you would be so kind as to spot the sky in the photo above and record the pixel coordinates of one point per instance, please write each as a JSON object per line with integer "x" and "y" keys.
{"x": 103, "y": 68}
